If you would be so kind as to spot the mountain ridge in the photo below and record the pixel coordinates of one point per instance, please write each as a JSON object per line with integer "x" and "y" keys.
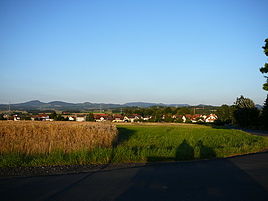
{"x": 62, "y": 105}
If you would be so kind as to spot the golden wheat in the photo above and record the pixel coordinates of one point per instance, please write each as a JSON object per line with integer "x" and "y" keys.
{"x": 32, "y": 137}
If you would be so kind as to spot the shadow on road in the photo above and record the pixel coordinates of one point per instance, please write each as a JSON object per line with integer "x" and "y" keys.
{"x": 208, "y": 180}
{"x": 200, "y": 180}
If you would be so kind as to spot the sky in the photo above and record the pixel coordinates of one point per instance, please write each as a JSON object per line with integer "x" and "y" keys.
{"x": 194, "y": 52}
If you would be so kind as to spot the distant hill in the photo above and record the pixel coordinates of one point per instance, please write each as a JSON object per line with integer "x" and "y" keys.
{"x": 57, "y": 105}
{"x": 144, "y": 104}
{"x": 64, "y": 106}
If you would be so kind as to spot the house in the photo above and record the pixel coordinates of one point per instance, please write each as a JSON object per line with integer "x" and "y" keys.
{"x": 174, "y": 116}
{"x": 146, "y": 118}
{"x": 118, "y": 118}
{"x": 80, "y": 118}
{"x": 16, "y": 117}
{"x": 186, "y": 117}
{"x": 197, "y": 118}
{"x": 41, "y": 117}
{"x": 132, "y": 118}
{"x": 182, "y": 117}
{"x": 211, "y": 118}
{"x": 100, "y": 117}
{"x": 71, "y": 118}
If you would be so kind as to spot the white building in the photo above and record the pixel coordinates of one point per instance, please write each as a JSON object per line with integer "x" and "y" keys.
{"x": 211, "y": 118}
{"x": 81, "y": 118}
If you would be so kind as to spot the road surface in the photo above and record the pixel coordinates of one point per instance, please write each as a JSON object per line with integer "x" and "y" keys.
{"x": 239, "y": 178}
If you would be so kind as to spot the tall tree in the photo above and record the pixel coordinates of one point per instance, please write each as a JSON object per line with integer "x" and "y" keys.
{"x": 243, "y": 102}
{"x": 246, "y": 114}
{"x": 264, "y": 69}
{"x": 90, "y": 117}
{"x": 225, "y": 114}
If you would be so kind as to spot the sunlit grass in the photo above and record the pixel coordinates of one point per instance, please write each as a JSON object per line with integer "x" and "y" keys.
{"x": 170, "y": 142}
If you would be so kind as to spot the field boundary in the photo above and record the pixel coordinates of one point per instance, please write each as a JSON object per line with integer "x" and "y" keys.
{"x": 31, "y": 171}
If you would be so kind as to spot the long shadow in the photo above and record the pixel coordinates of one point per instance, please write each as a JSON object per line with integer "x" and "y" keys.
{"x": 124, "y": 134}
{"x": 213, "y": 180}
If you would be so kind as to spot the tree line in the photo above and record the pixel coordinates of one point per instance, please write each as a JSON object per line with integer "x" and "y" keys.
{"x": 243, "y": 113}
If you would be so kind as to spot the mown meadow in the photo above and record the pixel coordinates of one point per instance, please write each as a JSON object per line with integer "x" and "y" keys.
{"x": 103, "y": 144}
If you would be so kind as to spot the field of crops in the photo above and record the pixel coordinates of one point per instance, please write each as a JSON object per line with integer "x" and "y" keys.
{"x": 60, "y": 143}
{"x": 33, "y": 142}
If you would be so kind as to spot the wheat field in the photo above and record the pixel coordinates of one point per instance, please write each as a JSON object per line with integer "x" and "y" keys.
{"x": 32, "y": 137}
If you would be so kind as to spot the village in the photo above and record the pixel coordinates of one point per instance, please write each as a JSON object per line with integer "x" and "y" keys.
{"x": 117, "y": 118}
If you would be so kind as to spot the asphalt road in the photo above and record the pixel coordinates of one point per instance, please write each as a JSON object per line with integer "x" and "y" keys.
{"x": 240, "y": 178}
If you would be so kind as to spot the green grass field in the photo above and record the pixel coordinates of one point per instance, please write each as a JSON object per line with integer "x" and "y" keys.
{"x": 183, "y": 142}
{"x": 148, "y": 143}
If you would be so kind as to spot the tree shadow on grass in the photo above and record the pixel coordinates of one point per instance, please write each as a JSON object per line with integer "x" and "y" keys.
{"x": 218, "y": 126}
{"x": 124, "y": 134}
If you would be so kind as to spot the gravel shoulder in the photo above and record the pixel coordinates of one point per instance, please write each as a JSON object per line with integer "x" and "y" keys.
{"x": 60, "y": 170}
{"x": 9, "y": 172}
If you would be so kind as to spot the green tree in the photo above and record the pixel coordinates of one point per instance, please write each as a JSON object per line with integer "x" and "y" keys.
{"x": 168, "y": 118}
{"x": 183, "y": 110}
{"x": 246, "y": 114}
{"x": 59, "y": 117}
{"x": 90, "y": 117}
{"x": 264, "y": 69}
{"x": 2, "y": 117}
{"x": 178, "y": 120}
{"x": 167, "y": 110}
{"x": 56, "y": 117}
{"x": 225, "y": 114}
{"x": 243, "y": 102}
{"x": 53, "y": 115}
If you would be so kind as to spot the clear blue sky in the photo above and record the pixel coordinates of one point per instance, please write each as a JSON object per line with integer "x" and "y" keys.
{"x": 121, "y": 51}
